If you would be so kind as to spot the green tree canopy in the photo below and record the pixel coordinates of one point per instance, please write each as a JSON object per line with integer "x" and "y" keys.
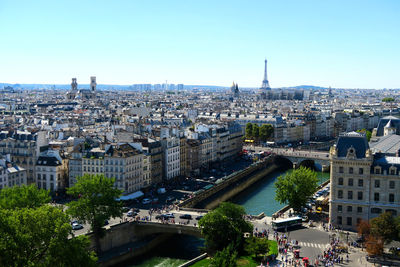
{"x": 225, "y": 258}
{"x": 40, "y": 236}
{"x": 249, "y": 130}
{"x": 17, "y": 197}
{"x": 96, "y": 202}
{"x": 266, "y": 131}
{"x": 255, "y": 131}
{"x": 256, "y": 246}
{"x": 384, "y": 227}
{"x": 367, "y": 133}
{"x": 224, "y": 225}
{"x": 388, "y": 99}
{"x": 296, "y": 187}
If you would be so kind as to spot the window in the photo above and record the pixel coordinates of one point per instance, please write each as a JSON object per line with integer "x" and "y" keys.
{"x": 392, "y": 171}
{"x": 377, "y": 171}
{"x": 351, "y": 170}
{"x": 51, "y": 177}
{"x": 339, "y": 208}
{"x": 360, "y": 182}
{"x": 341, "y": 170}
{"x": 376, "y": 210}
{"x": 360, "y": 195}
{"x": 340, "y": 181}
{"x": 350, "y": 181}
{"x": 339, "y": 219}
{"x": 349, "y": 208}
{"x": 349, "y": 194}
{"x": 349, "y": 221}
{"x": 392, "y": 184}
{"x": 376, "y": 196}
{"x": 38, "y": 176}
{"x": 359, "y": 209}
{"x": 360, "y": 171}
{"x": 377, "y": 183}
{"x": 391, "y": 198}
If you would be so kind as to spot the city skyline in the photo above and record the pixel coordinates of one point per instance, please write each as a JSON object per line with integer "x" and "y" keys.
{"x": 337, "y": 44}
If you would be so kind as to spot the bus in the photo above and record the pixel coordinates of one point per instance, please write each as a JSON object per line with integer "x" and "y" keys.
{"x": 286, "y": 223}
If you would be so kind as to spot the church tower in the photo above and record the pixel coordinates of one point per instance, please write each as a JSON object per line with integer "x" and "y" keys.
{"x": 93, "y": 83}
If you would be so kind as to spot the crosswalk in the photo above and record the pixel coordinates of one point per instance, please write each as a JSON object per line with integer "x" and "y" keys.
{"x": 313, "y": 245}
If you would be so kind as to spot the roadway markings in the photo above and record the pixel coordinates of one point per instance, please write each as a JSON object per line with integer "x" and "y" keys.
{"x": 313, "y": 245}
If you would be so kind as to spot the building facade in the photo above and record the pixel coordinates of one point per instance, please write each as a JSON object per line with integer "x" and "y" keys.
{"x": 363, "y": 185}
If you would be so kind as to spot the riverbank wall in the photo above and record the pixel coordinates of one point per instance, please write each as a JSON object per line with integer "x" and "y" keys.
{"x": 128, "y": 254}
{"x": 232, "y": 185}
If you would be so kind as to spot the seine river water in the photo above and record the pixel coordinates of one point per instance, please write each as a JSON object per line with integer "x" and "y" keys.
{"x": 259, "y": 198}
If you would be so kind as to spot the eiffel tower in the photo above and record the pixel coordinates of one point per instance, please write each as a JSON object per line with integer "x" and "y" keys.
{"x": 265, "y": 84}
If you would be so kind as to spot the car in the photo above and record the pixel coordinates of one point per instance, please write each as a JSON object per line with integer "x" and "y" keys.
{"x": 146, "y": 201}
{"x": 304, "y": 218}
{"x": 154, "y": 200}
{"x": 76, "y": 226}
{"x": 186, "y": 216}
{"x": 319, "y": 210}
{"x": 169, "y": 215}
{"x": 170, "y": 198}
{"x": 160, "y": 217}
{"x": 199, "y": 217}
{"x": 106, "y": 222}
{"x": 131, "y": 213}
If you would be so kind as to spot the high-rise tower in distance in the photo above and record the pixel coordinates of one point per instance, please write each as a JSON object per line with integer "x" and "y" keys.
{"x": 265, "y": 84}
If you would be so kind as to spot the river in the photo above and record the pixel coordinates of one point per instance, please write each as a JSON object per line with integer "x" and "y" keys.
{"x": 256, "y": 199}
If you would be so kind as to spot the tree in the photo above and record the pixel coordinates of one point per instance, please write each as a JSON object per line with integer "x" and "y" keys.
{"x": 374, "y": 246}
{"x": 225, "y": 258}
{"x": 17, "y": 197}
{"x": 224, "y": 225}
{"x": 96, "y": 203}
{"x": 296, "y": 187}
{"x": 367, "y": 133}
{"x": 384, "y": 227}
{"x": 266, "y": 131}
{"x": 256, "y": 246}
{"x": 388, "y": 99}
{"x": 363, "y": 229}
{"x": 249, "y": 130}
{"x": 255, "y": 131}
{"x": 40, "y": 236}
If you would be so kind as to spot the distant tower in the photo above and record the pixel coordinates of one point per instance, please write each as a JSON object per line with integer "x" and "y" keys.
{"x": 74, "y": 85}
{"x": 235, "y": 90}
{"x": 93, "y": 83}
{"x": 265, "y": 84}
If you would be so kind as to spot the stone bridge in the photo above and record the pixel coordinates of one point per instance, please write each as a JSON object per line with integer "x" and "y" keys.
{"x": 303, "y": 157}
{"x": 150, "y": 228}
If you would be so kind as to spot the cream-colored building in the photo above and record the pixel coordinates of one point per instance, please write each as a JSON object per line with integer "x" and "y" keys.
{"x": 363, "y": 185}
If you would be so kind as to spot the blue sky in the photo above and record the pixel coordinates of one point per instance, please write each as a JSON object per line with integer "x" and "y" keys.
{"x": 349, "y": 44}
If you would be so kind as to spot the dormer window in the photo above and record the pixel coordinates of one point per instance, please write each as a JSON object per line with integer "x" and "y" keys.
{"x": 378, "y": 170}
{"x": 392, "y": 170}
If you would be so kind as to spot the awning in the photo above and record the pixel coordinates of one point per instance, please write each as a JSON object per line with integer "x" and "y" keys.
{"x": 134, "y": 195}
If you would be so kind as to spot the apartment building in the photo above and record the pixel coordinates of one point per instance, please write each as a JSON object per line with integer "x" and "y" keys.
{"x": 363, "y": 184}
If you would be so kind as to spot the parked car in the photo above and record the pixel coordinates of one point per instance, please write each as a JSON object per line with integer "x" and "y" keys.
{"x": 76, "y": 226}
{"x": 146, "y": 201}
{"x": 154, "y": 200}
{"x": 199, "y": 217}
{"x": 170, "y": 215}
{"x": 131, "y": 213}
{"x": 186, "y": 216}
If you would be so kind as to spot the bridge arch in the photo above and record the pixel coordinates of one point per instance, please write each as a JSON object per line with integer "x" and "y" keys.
{"x": 284, "y": 162}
